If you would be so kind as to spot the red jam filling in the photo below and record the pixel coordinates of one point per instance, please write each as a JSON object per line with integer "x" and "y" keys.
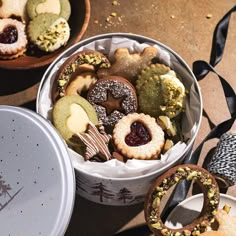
{"x": 9, "y": 35}
{"x": 138, "y": 136}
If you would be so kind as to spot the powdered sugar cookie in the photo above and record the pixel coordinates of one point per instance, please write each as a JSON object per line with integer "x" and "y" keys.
{"x": 13, "y": 39}
{"x": 13, "y": 8}
{"x": 48, "y": 31}
{"x": 138, "y": 136}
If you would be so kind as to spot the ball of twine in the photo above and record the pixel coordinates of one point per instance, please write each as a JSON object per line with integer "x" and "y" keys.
{"x": 223, "y": 162}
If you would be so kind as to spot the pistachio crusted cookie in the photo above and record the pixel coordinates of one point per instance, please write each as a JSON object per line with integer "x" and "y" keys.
{"x": 160, "y": 92}
{"x": 48, "y": 31}
{"x": 72, "y": 67}
{"x": 59, "y": 7}
{"x": 161, "y": 186}
{"x": 150, "y": 71}
{"x": 138, "y": 136}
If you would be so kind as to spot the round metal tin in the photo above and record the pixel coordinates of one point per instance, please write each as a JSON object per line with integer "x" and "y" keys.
{"x": 37, "y": 183}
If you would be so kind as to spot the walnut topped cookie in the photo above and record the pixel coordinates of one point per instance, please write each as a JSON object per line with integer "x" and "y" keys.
{"x": 160, "y": 91}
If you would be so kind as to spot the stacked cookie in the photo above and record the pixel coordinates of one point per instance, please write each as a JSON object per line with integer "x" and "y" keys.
{"x": 137, "y": 104}
{"x": 43, "y": 24}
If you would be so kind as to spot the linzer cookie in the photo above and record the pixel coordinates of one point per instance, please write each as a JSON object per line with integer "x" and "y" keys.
{"x": 13, "y": 39}
{"x": 138, "y": 136}
{"x": 150, "y": 71}
{"x": 80, "y": 62}
{"x": 112, "y": 97}
{"x": 129, "y": 65}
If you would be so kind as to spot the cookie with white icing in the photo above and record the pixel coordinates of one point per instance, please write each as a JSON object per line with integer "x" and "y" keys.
{"x": 48, "y": 32}
{"x": 13, "y": 39}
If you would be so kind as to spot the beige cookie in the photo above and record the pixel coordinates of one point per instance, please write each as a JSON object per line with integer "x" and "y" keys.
{"x": 16, "y": 8}
{"x": 129, "y": 65}
{"x": 81, "y": 84}
{"x": 13, "y": 39}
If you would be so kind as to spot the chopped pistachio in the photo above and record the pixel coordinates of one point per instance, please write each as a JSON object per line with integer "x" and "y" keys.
{"x": 227, "y": 208}
{"x": 157, "y": 225}
{"x": 211, "y": 193}
{"x": 192, "y": 175}
{"x": 156, "y": 202}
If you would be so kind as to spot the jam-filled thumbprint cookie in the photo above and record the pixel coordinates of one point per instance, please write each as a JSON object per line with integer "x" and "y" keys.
{"x": 13, "y": 39}
{"x": 138, "y": 136}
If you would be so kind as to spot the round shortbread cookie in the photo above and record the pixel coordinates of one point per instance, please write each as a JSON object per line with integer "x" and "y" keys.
{"x": 48, "y": 31}
{"x": 59, "y": 7}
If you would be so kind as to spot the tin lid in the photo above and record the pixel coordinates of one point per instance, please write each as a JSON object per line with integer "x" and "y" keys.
{"x": 37, "y": 183}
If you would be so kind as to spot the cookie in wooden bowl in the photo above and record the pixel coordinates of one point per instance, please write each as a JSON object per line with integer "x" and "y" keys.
{"x": 35, "y": 58}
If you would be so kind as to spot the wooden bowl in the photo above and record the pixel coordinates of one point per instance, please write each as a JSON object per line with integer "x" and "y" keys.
{"x": 79, "y": 19}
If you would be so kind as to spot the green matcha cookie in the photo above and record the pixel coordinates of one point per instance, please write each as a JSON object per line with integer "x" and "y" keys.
{"x": 48, "y": 32}
{"x": 59, "y": 7}
{"x": 162, "y": 95}
{"x": 150, "y": 97}
{"x": 71, "y": 114}
{"x": 150, "y": 71}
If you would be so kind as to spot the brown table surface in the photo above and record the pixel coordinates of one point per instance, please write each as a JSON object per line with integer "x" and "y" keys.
{"x": 187, "y": 27}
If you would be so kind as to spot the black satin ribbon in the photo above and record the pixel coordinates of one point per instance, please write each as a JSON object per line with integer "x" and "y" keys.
{"x": 200, "y": 70}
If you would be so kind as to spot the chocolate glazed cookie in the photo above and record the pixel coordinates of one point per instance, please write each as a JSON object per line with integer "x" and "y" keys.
{"x": 80, "y": 62}
{"x": 163, "y": 183}
{"x": 112, "y": 97}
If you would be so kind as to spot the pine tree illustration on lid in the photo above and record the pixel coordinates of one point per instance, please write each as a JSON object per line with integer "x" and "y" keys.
{"x": 5, "y": 196}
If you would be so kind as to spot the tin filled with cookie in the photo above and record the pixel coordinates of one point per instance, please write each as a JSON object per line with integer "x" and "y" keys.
{"x": 143, "y": 95}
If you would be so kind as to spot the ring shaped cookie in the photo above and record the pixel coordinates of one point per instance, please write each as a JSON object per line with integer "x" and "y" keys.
{"x": 70, "y": 68}
{"x": 149, "y": 150}
{"x": 112, "y": 97}
{"x": 160, "y": 187}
